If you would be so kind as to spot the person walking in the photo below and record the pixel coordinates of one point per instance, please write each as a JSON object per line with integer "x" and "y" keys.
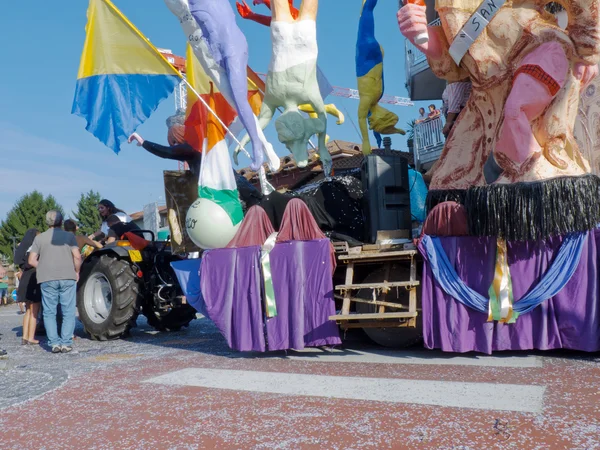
{"x": 2, "y": 275}
{"x": 28, "y": 292}
{"x": 56, "y": 256}
{"x": 4, "y": 288}
{"x": 18, "y": 275}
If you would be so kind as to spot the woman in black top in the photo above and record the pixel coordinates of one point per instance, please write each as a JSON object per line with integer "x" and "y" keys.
{"x": 29, "y": 290}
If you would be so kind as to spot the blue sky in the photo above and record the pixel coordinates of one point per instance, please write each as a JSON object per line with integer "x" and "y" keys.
{"x": 44, "y": 147}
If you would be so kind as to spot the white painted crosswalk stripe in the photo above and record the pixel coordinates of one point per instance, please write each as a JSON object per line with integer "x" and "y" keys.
{"x": 487, "y": 396}
{"x": 410, "y": 357}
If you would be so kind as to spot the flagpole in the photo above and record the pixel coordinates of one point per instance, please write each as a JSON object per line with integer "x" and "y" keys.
{"x": 215, "y": 114}
{"x": 179, "y": 74}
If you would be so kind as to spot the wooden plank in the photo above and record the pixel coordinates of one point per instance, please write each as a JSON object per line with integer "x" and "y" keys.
{"x": 394, "y": 315}
{"x": 378, "y": 324}
{"x": 386, "y": 279}
{"x": 340, "y": 247}
{"x": 383, "y": 235}
{"x": 376, "y": 302}
{"x": 413, "y": 270}
{"x": 349, "y": 278}
{"x": 388, "y": 285}
{"x": 375, "y": 255}
{"x": 370, "y": 248}
{"x": 379, "y": 302}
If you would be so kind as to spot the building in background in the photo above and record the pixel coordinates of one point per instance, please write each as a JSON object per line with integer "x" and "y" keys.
{"x": 422, "y": 85}
{"x": 421, "y": 82}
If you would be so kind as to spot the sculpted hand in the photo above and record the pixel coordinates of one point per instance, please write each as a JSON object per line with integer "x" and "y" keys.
{"x": 243, "y": 9}
{"x": 585, "y": 73}
{"x": 136, "y": 137}
{"x": 412, "y": 21}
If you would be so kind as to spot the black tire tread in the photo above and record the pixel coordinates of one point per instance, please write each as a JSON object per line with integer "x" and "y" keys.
{"x": 125, "y": 299}
{"x": 391, "y": 337}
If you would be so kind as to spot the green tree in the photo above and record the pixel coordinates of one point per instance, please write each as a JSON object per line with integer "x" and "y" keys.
{"x": 29, "y": 212}
{"x": 87, "y": 213}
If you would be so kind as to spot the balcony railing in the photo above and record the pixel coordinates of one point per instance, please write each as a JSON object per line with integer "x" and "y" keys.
{"x": 414, "y": 56}
{"x": 428, "y": 141}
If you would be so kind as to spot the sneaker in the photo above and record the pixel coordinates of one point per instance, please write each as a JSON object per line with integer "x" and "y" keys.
{"x": 56, "y": 349}
{"x": 66, "y": 348}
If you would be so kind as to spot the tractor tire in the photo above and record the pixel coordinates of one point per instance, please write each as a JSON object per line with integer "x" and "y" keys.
{"x": 108, "y": 297}
{"x": 392, "y": 337}
{"x": 174, "y": 320}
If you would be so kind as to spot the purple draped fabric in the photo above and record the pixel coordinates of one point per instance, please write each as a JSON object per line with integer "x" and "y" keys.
{"x": 303, "y": 295}
{"x": 232, "y": 284}
{"x": 569, "y": 320}
{"x": 231, "y": 287}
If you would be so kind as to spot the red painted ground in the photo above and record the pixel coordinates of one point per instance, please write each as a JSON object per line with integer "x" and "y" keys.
{"x": 112, "y": 408}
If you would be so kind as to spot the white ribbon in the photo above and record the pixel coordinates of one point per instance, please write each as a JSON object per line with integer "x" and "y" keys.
{"x": 480, "y": 19}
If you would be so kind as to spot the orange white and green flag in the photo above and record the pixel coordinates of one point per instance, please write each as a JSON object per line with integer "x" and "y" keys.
{"x": 216, "y": 181}
{"x": 201, "y": 82}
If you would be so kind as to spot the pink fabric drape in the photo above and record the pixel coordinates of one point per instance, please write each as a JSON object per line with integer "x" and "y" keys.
{"x": 254, "y": 230}
{"x": 446, "y": 219}
{"x": 298, "y": 224}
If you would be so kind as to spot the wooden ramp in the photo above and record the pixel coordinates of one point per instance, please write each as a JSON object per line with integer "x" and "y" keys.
{"x": 388, "y": 314}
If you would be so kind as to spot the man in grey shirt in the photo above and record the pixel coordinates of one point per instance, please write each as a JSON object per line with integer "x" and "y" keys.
{"x": 56, "y": 257}
{"x": 2, "y": 274}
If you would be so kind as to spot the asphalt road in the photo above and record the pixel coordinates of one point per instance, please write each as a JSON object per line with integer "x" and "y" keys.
{"x": 187, "y": 390}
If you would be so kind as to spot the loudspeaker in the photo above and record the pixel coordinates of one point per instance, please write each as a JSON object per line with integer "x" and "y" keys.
{"x": 386, "y": 194}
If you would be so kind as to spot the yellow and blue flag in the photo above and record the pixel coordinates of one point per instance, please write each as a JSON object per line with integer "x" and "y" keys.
{"x": 122, "y": 76}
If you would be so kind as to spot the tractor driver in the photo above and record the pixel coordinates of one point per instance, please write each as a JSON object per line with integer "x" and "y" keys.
{"x": 117, "y": 228}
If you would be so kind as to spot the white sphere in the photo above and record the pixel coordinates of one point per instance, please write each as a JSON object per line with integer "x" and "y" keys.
{"x": 208, "y": 225}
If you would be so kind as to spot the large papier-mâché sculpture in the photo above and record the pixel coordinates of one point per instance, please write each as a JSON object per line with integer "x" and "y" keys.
{"x": 527, "y": 73}
{"x": 222, "y": 50}
{"x": 528, "y": 67}
{"x": 369, "y": 73}
{"x": 292, "y": 81}
{"x": 247, "y": 13}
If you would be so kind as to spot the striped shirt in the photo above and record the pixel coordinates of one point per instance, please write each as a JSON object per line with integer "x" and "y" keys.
{"x": 455, "y": 97}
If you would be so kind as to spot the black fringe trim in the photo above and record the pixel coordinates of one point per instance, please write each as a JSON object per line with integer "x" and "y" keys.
{"x": 436, "y": 197}
{"x": 529, "y": 211}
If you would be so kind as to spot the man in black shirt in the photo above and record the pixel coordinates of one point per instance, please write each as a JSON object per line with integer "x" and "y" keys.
{"x": 179, "y": 150}
{"x": 118, "y": 228}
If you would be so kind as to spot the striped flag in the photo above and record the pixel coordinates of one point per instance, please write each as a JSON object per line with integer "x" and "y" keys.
{"x": 201, "y": 82}
{"x": 217, "y": 181}
{"x": 122, "y": 77}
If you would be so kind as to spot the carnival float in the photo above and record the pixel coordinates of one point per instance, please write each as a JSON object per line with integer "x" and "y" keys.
{"x": 509, "y": 241}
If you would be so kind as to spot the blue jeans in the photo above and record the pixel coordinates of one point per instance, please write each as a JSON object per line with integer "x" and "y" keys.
{"x": 54, "y": 293}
